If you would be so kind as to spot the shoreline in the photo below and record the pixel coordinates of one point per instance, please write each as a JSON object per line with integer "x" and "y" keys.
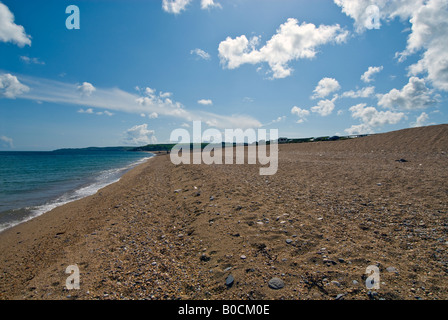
{"x": 177, "y": 232}
{"x": 50, "y": 204}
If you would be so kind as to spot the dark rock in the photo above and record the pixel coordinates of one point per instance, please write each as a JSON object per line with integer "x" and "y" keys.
{"x": 329, "y": 262}
{"x": 340, "y": 296}
{"x": 205, "y": 258}
{"x": 276, "y": 283}
{"x": 229, "y": 281}
{"x": 392, "y": 269}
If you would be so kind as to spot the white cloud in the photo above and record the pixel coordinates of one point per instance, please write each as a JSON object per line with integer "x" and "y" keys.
{"x": 9, "y": 31}
{"x": 367, "y": 76}
{"x": 89, "y": 111}
{"x": 279, "y": 119}
{"x": 301, "y": 113}
{"x": 6, "y": 142}
{"x": 107, "y": 113}
{"x": 414, "y": 95}
{"x": 429, "y": 32}
{"x": 139, "y": 135}
{"x": 325, "y": 87}
{"x": 207, "y": 4}
{"x": 291, "y": 42}
{"x": 29, "y": 60}
{"x": 359, "y": 129}
{"x": 205, "y": 102}
{"x": 115, "y": 99}
{"x": 429, "y": 27}
{"x": 421, "y": 120}
{"x": 371, "y": 118}
{"x": 361, "y": 93}
{"x": 201, "y": 54}
{"x": 10, "y": 86}
{"x": 86, "y": 89}
{"x": 153, "y": 115}
{"x": 324, "y": 107}
{"x": 175, "y": 6}
{"x": 149, "y": 91}
{"x": 165, "y": 94}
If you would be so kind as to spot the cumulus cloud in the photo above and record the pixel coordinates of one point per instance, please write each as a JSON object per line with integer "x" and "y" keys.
{"x": 361, "y": 93}
{"x": 153, "y": 115}
{"x": 11, "y": 32}
{"x": 371, "y": 118}
{"x": 429, "y": 27}
{"x": 414, "y": 95}
{"x": 10, "y": 86}
{"x": 325, "y": 87}
{"x": 175, "y": 6}
{"x": 292, "y": 41}
{"x": 367, "y": 76}
{"x": 205, "y": 102}
{"x": 324, "y": 107}
{"x": 301, "y": 113}
{"x": 6, "y": 142}
{"x": 86, "y": 89}
{"x": 429, "y": 30}
{"x": 139, "y": 135}
{"x": 207, "y": 4}
{"x": 421, "y": 120}
{"x": 89, "y": 111}
{"x": 201, "y": 54}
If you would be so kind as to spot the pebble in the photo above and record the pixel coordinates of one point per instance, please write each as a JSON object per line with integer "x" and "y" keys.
{"x": 243, "y": 257}
{"x": 288, "y": 241}
{"x": 336, "y": 283}
{"x": 276, "y": 283}
{"x": 229, "y": 281}
{"x": 392, "y": 269}
{"x": 339, "y": 296}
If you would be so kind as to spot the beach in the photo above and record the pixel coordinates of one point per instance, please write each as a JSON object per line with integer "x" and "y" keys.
{"x": 333, "y": 209}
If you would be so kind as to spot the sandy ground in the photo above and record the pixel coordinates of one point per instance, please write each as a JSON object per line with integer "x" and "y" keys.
{"x": 177, "y": 232}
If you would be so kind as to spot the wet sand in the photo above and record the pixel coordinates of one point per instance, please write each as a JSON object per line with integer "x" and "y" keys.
{"x": 177, "y": 232}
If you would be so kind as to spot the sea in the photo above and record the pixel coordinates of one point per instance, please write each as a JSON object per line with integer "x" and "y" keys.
{"x": 32, "y": 183}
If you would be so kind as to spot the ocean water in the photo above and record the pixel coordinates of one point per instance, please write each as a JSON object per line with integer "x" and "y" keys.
{"x": 32, "y": 183}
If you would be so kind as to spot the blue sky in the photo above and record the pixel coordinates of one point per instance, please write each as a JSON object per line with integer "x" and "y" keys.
{"x": 136, "y": 70}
